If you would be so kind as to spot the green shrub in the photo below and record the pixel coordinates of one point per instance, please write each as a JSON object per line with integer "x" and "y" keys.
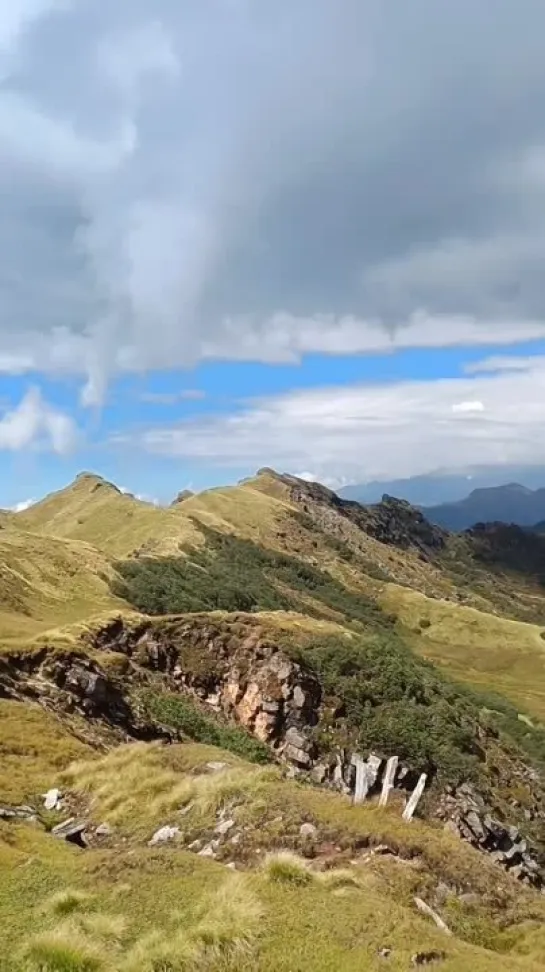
{"x": 183, "y": 714}
{"x": 396, "y": 702}
{"x": 232, "y": 574}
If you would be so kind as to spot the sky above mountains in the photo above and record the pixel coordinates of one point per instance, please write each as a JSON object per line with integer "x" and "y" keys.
{"x": 235, "y": 233}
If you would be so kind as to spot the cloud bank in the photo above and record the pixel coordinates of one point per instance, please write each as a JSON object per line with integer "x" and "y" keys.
{"x": 367, "y": 432}
{"x": 36, "y": 424}
{"x": 253, "y": 180}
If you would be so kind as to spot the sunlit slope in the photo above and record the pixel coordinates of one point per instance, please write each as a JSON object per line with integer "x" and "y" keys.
{"x": 476, "y": 646}
{"x": 95, "y": 511}
{"x": 503, "y": 656}
{"x": 46, "y": 582}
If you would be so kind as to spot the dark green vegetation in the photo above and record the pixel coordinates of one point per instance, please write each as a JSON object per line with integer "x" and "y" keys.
{"x": 234, "y": 574}
{"x": 181, "y": 713}
{"x": 391, "y": 700}
{"x": 508, "y": 547}
{"x": 395, "y": 702}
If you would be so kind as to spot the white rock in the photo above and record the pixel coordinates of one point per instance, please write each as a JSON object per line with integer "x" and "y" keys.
{"x": 308, "y": 830}
{"x": 164, "y": 835}
{"x": 104, "y": 830}
{"x": 216, "y": 767}
{"x": 210, "y": 849}
{"x": 224, "y": 827}
{"x": 52, "y": 799}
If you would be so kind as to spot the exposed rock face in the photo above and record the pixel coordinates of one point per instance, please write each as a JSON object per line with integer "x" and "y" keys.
{"x": 396, "y": 522}
{"x": 392, "y": 521}
{"x": 250, "y": 680}
{"x": 243, "y": 677}
{"x": 466, "y": 816}
{"x": 8, "y": 812}
{"x": 183, "y": 495}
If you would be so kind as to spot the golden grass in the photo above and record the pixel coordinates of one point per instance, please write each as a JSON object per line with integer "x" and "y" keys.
{"x": 135, "y": 787}
{"x": 133, "y": 908}
{"x": 94, "y": 511}
{"x": 34, "y": 748}
{"x": 504, "y": 656}
{"x": 46, "y": 582}
{"x": 238, "y": 509}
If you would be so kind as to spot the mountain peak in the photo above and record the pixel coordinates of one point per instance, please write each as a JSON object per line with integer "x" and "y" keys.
{"x": 93, "y": 481}
{"x": 184, "y": 494}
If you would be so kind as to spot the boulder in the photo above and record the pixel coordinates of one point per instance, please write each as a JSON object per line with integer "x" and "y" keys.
{"x": 52, "y": 799}
{"x": 164, "y": 835}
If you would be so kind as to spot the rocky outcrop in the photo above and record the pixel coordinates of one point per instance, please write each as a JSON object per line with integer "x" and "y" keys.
{"x": 17, "y": 814}
{"x": 72, "y": 685}
{"x": 467, "y": 816}
{"x": 244, "y": 677}
{"x": 393, "y": 522}
{"x": 184, "y": 494}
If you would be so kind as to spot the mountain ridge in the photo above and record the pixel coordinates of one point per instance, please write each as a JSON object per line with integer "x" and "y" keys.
{"x": 511, "y": 503}
{"x": 295, "y": 630}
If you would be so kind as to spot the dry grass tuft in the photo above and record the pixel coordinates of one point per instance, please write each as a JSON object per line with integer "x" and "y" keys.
{"x": 106, "y": 928}
{"x": 284, "y": 867}
{"x": 230, "y": 919}
{"x": 64, "y": 949}
{"x": 134, "y": 787}
{"x": 66, "y": 902}
{"x": 338, "y": 878}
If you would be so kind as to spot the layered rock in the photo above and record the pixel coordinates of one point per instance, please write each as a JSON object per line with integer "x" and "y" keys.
{"x": 243, "y": 677}
{"x": 467, "y": 816}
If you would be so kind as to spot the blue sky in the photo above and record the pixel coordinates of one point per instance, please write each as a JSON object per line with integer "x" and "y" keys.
{"x": 251, "y": 234}
{"x": 220, "y": 391}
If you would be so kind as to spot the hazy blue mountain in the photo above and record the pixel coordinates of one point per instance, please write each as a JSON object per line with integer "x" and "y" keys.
{"x": 512, "y": 503}
{"x": 438, "y": 488}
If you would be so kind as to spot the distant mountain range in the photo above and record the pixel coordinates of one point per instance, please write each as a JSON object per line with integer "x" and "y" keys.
{"x": 512, "y": 503}
{"x": 434, "y": 489}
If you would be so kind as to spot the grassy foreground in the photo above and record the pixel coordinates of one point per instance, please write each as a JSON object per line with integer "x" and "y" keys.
{"x": 325, "y": 903}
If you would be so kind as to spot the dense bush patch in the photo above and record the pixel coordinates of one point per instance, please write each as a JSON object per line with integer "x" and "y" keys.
{"x": 232, "y": 574}
{"x": 182, "y": 714}
{"x": 398, "y": 703}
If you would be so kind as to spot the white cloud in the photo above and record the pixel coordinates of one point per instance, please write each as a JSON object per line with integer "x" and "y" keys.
{"x": 256, "y": 181}
{"x": 374, "y": 431}
{"x": 173, "y": 398}
{"x": 505, "y": 363}
{"x": 35, "y": 423}
{"x": 22, "y": 506}
{"x": 468, "y": 407}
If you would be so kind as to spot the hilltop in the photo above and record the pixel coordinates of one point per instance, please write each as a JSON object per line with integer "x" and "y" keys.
{"x": 292, "y": 630}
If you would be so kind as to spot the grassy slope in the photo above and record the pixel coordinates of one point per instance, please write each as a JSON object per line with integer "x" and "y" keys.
{"x": 136, "y": 908}
{"x": 475, "y": 646}
{"x": 46, "y": 582}
{"x": 96, "y": 512}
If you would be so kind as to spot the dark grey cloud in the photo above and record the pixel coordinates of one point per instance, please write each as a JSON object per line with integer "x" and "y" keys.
{"x": 172, "y": 176}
